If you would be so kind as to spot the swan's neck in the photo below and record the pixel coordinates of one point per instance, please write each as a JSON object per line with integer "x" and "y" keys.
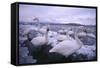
{"x": 46, "y": 37}
{"x": 78, "y": 40}
{"x": 67, "y": 36}
{"x": 38, "y": 26}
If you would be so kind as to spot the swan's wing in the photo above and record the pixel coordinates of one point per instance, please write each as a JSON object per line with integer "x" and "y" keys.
{"x": 65, "y": 48}
{"x": 38, "y": 41}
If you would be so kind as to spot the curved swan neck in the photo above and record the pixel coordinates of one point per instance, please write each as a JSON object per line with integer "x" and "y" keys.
{"x": 46, "y": 37}
{"x": 67, "y": 35}
{"x": 77, "y": 39}
{"x": 38, "y": 26}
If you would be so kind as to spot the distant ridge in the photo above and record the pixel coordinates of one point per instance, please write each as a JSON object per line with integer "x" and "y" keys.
{"x": 51, "y": 23}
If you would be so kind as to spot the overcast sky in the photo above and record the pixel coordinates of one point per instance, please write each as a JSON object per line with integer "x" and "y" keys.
{"x": 56, "y": 14}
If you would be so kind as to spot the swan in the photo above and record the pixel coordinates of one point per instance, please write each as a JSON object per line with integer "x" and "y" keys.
{"x": 61, "y": 31}
{"x": 35, "y": 48}
{"x": 69, "y": 30}
{"x": 55, "y": 37}
{"x": 52, "y": 40}
{"x": 61, "y": 35}
{"x": 41, "y": 40}
{"x": 52, "y": 34}
{"x": 68, "y": 46}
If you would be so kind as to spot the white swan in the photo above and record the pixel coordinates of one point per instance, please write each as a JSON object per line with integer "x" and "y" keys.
{"x": 43, "y": 30}
{"x": 41, "y": 40}
{"x": 52, "y": 34}
{"x": 52, "y": 40}
{"x": 61, "y": 35}
{"x": 55, "y": 38}
{"x": 68, "y": 46}
{"x": 69, "y": 31}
